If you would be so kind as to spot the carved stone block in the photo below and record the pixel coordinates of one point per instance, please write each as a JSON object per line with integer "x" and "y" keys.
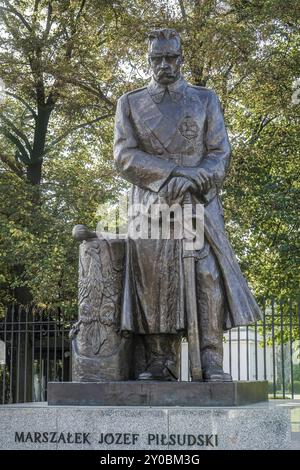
{"x": 100, "y": 351}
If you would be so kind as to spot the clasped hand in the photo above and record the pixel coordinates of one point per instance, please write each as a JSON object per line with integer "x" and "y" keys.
{"x": 198, "y": 176}
{"x": 186, "y": 179}
{"x": 175, "y": 190}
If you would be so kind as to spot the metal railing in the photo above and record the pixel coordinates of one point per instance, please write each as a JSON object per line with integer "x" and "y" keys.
{"x": 35, "y": 349}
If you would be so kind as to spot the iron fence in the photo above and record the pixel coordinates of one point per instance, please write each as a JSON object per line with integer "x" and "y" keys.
{"x": 35, "y": 349}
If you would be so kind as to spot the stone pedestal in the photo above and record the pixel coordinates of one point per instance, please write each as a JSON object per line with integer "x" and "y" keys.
{"x": 39, "y": 427}
{"x": 144, "y": 393}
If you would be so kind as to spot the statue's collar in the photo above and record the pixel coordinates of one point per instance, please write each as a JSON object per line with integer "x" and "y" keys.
{"x": 176, "y": 90}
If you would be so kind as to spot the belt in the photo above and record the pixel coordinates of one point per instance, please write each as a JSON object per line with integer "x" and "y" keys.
{"x": 180, "y": 159}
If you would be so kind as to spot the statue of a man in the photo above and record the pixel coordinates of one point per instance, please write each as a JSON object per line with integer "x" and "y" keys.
{"x": 171, "y": 140}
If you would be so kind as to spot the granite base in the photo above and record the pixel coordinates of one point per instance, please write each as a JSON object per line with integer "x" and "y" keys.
{"x": 135, "y": 393}
{"x": 40, "y": 427}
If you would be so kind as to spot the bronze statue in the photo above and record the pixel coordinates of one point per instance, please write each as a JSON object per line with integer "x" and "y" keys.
{"x": 171, "y": 142}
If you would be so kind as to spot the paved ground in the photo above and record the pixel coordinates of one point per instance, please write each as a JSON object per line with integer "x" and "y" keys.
{"x": 295, "y": 419}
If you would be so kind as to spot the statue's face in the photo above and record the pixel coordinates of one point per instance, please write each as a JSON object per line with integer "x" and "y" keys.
{"x": 165, "y": 60}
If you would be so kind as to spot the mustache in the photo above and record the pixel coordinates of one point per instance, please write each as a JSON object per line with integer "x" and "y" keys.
{"x": 165, "y": 72}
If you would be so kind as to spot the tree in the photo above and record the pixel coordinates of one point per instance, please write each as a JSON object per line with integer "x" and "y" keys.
{"x": 64, "y": 64}
{"x": 247, "y": 51}
{"x": 56, "y": 65}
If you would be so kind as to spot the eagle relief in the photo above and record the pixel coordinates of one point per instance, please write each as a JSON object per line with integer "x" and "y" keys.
{"x": 99, "y": 349}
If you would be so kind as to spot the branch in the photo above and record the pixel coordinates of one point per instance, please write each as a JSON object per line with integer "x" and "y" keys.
{"x": 48, "y": 23}
{"x": 12, "y": 165}
{"x": 69, "y": 44}
{"x": 96, "y": 92}
{"x": 38, "y": 79}
{"x": 36, "y": 5}
{"x": 32, "y": 111}
{"x": 17, "y": 132}
{"x": 182, "y": 9}
{"x": 10, "y": 8}
{"x": 25, "y": 159}
{"x": 80, "y": 11}
{"x": 228, "y": 70}
{"x": 259, "y": 128}
{"x": 236, "y": 84}
{"x": 54, "y": 94}
{"x": 75, "y": 128}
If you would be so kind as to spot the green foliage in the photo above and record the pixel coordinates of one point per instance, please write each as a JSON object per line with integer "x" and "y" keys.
{"x": 247, "y": 51}
{"x": 296, "y": 387}
{"x": 66, "y": 62}
{"x": 296, "y": 372}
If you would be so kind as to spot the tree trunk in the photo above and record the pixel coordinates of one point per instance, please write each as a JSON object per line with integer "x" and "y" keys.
{"x": 22, "y": 294}
{"x": 34, "y": 176}
{"x": 34, "y": 173}
{"x": 34, "y": 170}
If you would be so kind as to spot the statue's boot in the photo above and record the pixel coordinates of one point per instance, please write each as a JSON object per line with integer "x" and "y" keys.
{"x": 162, "y": 352}
{"x": 212, "y": 363}
{"x": 214, "y": 373}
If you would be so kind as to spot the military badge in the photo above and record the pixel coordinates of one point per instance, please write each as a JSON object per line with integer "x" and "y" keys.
{"x": 189, "y": 128}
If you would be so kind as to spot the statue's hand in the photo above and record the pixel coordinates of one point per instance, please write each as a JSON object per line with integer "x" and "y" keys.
{"x": 175, "y": 190}
{"x": 198, "y": 176}
{"x": 81, "y": 232}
